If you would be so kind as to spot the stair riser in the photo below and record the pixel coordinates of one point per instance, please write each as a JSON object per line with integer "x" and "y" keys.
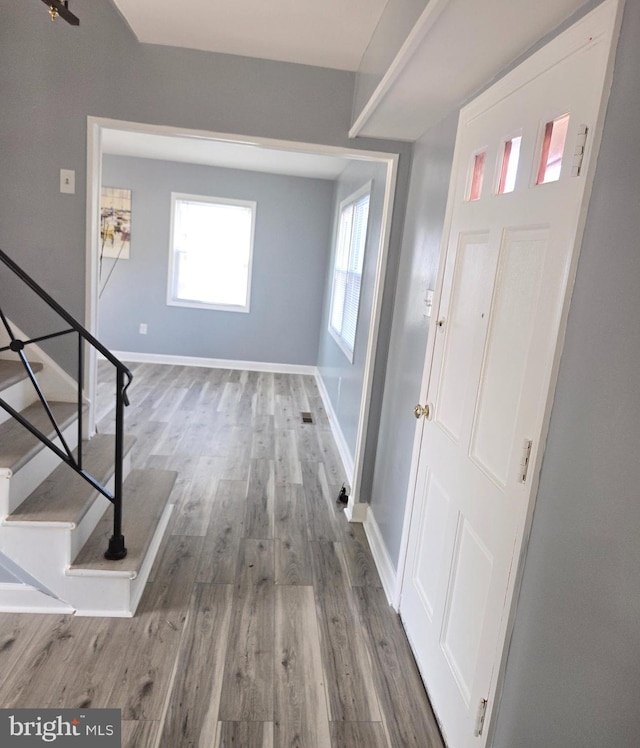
{"x": 42, "y": 551}
{"x": 118, "y": 607}
{"x": 140, "y": 582}
{"x": 36, "y": 555}
{"x": 62, "y": 552}
{"x": 16, "y": 489}
{"x": 19, "y": 396}
{"x": 88, "y": 524}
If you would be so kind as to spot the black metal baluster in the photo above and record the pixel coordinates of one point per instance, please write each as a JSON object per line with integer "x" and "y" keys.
{"x": 80, "y": 403}
{"x": 117, "y": 549}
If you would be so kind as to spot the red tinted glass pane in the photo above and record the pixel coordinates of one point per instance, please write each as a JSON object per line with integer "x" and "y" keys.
{"x": 509, "y": 169}
{"x": 477, "y": 176}
{"x": 555, "y": 135}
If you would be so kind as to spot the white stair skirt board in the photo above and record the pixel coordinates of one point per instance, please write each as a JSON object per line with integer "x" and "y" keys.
{"x": 214, "y": 363}
{"x": 384, "y": 565}
{"x": 19, "y": 598}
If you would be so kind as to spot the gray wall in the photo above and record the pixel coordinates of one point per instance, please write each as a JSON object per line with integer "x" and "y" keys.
{"x": 292, "y": 240}
{"x": 52, "y": 76}
{"x": 344, "y": 380}
{"x": 432, "y": 158}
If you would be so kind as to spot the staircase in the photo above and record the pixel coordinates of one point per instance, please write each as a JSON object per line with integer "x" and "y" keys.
{"x": 79, "y": 530}
{"x": 54, "y": 527}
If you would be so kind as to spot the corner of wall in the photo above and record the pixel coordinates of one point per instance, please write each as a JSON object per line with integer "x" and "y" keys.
{"x": 384, "y": 564}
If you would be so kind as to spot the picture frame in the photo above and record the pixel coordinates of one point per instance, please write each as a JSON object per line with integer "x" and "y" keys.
{"x": 115, "y": 223}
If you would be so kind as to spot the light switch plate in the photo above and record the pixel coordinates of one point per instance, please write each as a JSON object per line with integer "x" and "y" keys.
{"x": 428, "y": 301}
{"x": 68, "y": 181}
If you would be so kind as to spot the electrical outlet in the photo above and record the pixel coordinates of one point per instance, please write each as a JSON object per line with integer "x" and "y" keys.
{"x": 143, "y": 328}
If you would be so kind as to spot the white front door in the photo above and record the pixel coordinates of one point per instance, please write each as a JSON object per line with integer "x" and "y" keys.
{"x": 514, "y": 220}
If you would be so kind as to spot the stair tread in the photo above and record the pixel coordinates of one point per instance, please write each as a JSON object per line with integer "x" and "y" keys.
{"x": 14, "y": 371}
{"x": 18, "y": 445}
{"x": 146, "y": 494}
{"x": 65, "y": 496}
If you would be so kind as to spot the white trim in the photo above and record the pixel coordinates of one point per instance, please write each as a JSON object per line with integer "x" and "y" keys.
{"x": 94, "y": 190}
{"x": 22, "y": 598}
{"x": 338, "y": 436}
{"x": 172, "y": 275}
{"x": 356, "y": 512}
{"x": 213, "y": 363}
{"x": 384, "y": 564}
{"x": 350, "y": 201}
{"x": 273, "y": 143}
{"x": 374, "y": 328}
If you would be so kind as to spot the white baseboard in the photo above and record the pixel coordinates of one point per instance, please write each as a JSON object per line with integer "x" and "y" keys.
{"x": 341, "y": 442}
{"x": 383, "y": 562}
{"x": 22, "y": 598}
{"x": 214, "y": 363}
{"x": 356, "y": 512}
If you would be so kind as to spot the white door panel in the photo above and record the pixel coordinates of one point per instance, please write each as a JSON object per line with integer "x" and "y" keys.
{"x": 504, "y": 283}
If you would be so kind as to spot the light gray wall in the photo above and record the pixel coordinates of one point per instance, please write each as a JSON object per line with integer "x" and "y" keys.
{"x": 432, "y": 158}
{"x": 291, "y": 248}
{"x": 344, "y": 380}
{"x": 52, "y": 76}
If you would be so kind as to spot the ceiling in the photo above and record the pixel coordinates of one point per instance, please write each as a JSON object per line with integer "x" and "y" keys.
{"x": 450, "y": 53}
{"x": 225, "y": 154}
{"x": 329, "y": 33}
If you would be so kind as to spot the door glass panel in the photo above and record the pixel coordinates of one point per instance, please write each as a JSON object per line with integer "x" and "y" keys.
{"x": 477, "y": 176}
{"x": 555, "y": 135}
{"x": 510, "y": 158}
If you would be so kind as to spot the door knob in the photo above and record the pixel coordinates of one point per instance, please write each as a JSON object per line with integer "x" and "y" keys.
{"x": 422, "y": 410}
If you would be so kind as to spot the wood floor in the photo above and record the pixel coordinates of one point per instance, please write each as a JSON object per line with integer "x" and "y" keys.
{"x": 264, "y": 624}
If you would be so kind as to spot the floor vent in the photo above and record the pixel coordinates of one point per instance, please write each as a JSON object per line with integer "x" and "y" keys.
{"x": 306, "y": 416}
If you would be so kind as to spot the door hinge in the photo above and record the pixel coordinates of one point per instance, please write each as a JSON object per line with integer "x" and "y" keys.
{"x": 578, "y": 154}
{"x": 482, "y": 713}
{"x": 524, "y": 461}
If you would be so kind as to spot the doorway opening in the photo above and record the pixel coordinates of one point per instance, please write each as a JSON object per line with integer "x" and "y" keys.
{"x": 113, "y": 138}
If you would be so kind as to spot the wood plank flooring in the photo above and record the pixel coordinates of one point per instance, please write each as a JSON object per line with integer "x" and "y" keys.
{"x": 264, "y": 624}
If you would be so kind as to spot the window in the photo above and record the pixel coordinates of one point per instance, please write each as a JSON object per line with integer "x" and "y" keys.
{"x": 477, "y": 176}
{"x": 509, "y": 169}
{"x": 555, "y": 135}
{"x": 211, "y": 252}
{"x": 347, "y": 270}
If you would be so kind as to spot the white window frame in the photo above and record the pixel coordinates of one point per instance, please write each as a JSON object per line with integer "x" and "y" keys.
{"x": 172, "y": 299}
{"x": 337, "y": 334}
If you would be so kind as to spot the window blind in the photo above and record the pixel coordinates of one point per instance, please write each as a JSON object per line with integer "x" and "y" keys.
{"x": 347, "y": 274}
